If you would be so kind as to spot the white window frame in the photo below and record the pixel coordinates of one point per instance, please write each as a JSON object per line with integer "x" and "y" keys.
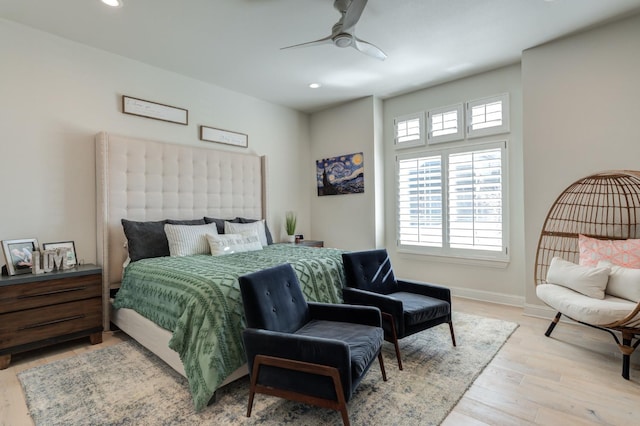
{"x": 494, "y": 130}
{"x": 499, "y": 258}
{"x": 413, "y": 143}
{"x": 459, "y": 135}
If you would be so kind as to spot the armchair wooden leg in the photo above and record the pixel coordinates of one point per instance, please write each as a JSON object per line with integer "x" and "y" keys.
{"x": 394, "y": 337}
{"x": 395, "y": 343}
{"x": 453, "y": 336}
{"x": 384, "y": 372}
{"x": 345, "y": 415}
{"x": 553, "y": 324}
{"x": 340, "y": 404}
{"x": 252, "y": 388}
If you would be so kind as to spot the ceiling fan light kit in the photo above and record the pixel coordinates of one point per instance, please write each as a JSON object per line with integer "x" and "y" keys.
{"x": 343, "y": 31}
{"x": 342, "y": 40}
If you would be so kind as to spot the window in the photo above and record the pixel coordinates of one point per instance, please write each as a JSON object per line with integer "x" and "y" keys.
{"x": 445, "y": 124}
{"x": 409, "y": 130}
{"x": 451, "y": 202}
{"x": 488, "y": 116}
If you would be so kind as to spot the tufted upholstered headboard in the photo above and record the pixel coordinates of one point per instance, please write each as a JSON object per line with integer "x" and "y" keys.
{"x": 146, "y": 180}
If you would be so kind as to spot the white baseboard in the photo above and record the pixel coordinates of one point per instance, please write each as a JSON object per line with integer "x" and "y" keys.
{"x": 539, "y": 311}
{"x": 488, "y": 296}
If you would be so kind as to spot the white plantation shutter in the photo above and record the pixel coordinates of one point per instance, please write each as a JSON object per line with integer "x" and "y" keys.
{"x": 420, "y": 201}
{"x": 409, "y": 130}
{"x": 488, "y": 116}
{"x": 475, "y": 200}
{"x": 451, "y": 202}
{"x": 445, "y": 124}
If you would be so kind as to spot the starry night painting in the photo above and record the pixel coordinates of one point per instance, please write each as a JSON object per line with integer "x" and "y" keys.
{"x": 340, "y": 175}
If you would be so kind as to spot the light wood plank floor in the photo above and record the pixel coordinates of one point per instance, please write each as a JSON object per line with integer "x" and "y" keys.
{"x": 571, "y": 378}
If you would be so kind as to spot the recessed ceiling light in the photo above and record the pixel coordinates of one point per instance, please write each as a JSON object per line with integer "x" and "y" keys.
{"x": 112, "y": 3}
{"x": 314, "y": 85}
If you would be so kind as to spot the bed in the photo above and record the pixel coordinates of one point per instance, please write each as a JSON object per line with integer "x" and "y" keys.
{"x": 187, "y": 310}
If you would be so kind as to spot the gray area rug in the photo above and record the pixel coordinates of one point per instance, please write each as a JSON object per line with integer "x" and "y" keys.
{"x": 124, "y": 384}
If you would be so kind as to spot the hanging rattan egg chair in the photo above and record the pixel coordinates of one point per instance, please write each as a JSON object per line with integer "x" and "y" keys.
{"x": 604, "y": 206}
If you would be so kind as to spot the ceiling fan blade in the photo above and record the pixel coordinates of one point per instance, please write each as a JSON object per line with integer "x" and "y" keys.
{"x": 352, "y": 15}
{"x": 324, "y": 40}
{"x": 368, "y": 49}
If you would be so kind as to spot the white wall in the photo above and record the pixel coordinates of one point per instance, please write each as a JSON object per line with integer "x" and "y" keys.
{"x": 581, "y": 112}
{"x": 474, "y": 280}
{"x": 381, "y": 195}
{"x": 346, "y": 221}
{"x": 55, "y": 95}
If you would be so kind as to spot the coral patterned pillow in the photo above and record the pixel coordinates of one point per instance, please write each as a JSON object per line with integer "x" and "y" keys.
{"x": 624, "y": 253}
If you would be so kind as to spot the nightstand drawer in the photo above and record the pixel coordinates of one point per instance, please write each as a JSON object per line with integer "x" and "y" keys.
{"x": 18, "y": 328}
{"x": 36, "y": 294}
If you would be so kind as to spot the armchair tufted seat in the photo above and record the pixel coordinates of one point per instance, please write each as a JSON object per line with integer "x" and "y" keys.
{"x": 362, "y": 341}
{"x": 419, "y": 309}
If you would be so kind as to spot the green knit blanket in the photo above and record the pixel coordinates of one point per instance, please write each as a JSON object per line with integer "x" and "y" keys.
{"x": 198, "y": 299}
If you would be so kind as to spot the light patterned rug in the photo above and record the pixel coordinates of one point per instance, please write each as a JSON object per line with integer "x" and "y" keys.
{"x": 125, "y": 384}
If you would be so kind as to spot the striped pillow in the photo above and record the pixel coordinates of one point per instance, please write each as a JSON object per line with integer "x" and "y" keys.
{"x": 185, "y": 240}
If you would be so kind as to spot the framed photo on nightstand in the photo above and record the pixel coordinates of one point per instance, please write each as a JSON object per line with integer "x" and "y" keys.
{"x": 18, "y": 255}
{"x": 71, "y": 254}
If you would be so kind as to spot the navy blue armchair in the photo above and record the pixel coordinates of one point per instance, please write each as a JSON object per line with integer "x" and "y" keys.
{"x": 407, "y": 306}
{"x": 314, "y": 353}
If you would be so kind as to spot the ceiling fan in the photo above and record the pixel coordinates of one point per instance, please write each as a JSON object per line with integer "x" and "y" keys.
{"x": 343, "y": 32}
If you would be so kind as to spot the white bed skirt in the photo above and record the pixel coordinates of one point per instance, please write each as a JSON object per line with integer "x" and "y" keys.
{"x": 156, "y": 339}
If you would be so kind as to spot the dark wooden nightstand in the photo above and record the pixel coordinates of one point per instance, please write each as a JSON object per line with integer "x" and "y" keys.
{"x": 41, "y": 310}
{"x": 310, "y": 243}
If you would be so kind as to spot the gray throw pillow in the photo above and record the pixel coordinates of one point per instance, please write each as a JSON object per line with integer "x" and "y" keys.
{"x": 219, "y": 223}
{"x": 148, "y": 239}
{"x": 145, "y": 239}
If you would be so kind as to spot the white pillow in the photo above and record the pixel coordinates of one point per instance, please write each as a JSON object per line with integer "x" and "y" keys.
{"x": 233, "y": 243}
{"x": 623, "y": 282}
{"x": 583, "y": 279}
{"x": 185, "y": 240}
{"x": 256, "y": 227}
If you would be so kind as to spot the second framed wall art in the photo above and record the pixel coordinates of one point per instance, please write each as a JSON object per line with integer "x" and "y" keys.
{"x": 211, "y": 134}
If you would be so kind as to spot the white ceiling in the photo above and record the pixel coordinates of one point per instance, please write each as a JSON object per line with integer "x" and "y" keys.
{"x": 236, "y": 43}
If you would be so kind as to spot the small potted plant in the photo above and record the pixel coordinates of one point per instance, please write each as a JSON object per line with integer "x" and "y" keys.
{"x": 290, "y": 226}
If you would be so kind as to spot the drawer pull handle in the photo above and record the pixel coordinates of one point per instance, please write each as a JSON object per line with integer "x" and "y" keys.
{"x": 49, "y": 293}
{"x": 42, "y": 324}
